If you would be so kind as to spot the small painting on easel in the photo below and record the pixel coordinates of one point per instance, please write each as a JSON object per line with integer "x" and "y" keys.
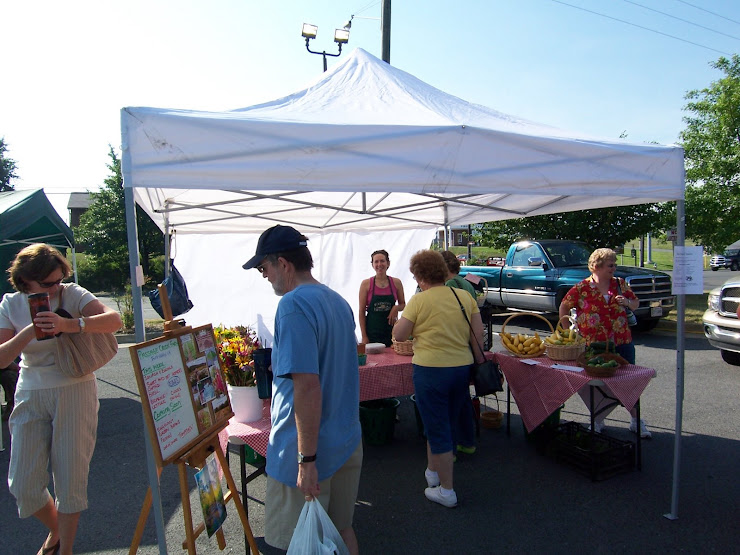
{"x": 211, "y": 495}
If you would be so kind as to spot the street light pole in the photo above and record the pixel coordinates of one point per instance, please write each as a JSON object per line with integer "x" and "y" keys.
{"x": 341, "y": 36}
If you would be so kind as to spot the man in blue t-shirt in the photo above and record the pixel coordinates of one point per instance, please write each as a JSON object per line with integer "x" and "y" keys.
{"x": 315, "y": 448}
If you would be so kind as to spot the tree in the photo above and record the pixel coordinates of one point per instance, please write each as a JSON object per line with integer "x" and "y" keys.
{"x": 711, "y": 142}
{"x": 7, "y": 168}
{"x": 102, "y": 229}
{"x": 602, "y": 227}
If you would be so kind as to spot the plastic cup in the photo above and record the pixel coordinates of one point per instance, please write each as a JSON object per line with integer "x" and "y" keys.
{"x": 39, "y": 302}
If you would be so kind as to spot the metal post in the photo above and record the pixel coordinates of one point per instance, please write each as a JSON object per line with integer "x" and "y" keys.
{"x": 133, "y": 255}
{"x": 680, "y": 346}
{"x": 385, "y": 26}
{"x": 470, "y": 244}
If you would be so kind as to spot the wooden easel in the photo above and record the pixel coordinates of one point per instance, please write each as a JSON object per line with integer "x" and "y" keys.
{"x": 195, "y": 457}
{"x": 170, "y": 326}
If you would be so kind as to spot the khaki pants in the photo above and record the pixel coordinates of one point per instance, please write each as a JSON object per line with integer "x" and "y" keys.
{"x": 283, "y": 504}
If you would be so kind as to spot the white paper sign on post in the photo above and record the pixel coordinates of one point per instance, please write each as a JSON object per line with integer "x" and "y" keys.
{"x": 688, "y": 271}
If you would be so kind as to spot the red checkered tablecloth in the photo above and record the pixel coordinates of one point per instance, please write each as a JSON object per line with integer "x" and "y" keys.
{"x": 255, "y": 434}
{"x": 386, "y": 374}
{"x": 540, "y": 389}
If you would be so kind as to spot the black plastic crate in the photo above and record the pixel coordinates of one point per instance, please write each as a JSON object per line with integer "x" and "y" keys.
{"x": 596, "y": 455}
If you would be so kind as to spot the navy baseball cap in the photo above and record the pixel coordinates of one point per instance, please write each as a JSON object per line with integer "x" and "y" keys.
{"x": 277, "y": 239}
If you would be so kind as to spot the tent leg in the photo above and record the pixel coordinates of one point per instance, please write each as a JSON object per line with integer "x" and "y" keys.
{"x": 680, "y": 346}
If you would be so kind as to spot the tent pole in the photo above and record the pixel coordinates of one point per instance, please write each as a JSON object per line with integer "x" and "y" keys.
{"x": 74, "y": 265}
{"x": 167, "y": 253}
{"x": 446, "y": 227}
{"x": 680, "y": 346}
{"x": 133, "y": 257}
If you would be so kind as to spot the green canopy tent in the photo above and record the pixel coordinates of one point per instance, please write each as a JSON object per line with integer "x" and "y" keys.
{"x": 27, "y": 217}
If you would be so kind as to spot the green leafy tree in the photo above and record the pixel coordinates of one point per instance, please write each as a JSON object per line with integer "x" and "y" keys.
{"x": 603, "y": 227}
{"x": 102, "y": 230}
{"x": 7, "y": 168}
{"x": 711, "y": 142}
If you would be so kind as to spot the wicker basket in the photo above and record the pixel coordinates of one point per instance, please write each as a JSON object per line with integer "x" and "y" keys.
{"x": 517, "y": 353}
{"x": 599, "y": 372}
{"x": 403, "y": 347}
{"x": 565, "y": 352}
{"x": 491, "y": 419}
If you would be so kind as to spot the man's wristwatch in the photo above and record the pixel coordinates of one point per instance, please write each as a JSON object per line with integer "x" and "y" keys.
{"x": 81, "y": 321}
{"x": 305, "y": 458}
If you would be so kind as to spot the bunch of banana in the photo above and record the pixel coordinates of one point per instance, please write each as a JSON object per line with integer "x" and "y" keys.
{"x": 521, "y": 344}
{"x": 564, "y": 337}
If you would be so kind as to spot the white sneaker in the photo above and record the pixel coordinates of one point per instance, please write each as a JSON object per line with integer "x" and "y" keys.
{"x": 598, "y": 427}
{"x": 435, "y": 494}
{"x": 432, "y": 478}
{"x": 644, "y": 432}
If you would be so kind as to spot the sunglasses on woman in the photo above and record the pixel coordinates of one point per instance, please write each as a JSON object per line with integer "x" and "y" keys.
{"x": 49, "y": 284}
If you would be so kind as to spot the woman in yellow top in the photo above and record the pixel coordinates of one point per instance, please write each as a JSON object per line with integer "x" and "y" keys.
{"x": 442, "y": 359}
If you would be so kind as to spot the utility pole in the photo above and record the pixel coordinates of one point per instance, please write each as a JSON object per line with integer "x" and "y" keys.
{"x": 385, "y": 29}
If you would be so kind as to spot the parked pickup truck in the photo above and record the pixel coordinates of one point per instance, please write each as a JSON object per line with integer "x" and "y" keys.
{"x": 536, "y": 275}
{"x": 721, "y": 323}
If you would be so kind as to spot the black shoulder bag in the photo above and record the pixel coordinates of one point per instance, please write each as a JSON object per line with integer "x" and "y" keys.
{"x": 487, "y": 377}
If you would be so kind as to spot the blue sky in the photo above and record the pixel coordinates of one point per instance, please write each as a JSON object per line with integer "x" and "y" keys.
{"x": 594, "y": 67}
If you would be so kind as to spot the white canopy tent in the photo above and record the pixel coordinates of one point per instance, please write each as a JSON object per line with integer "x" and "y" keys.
{"x": 366, "y": 149}
{"x": 366, "y": 157}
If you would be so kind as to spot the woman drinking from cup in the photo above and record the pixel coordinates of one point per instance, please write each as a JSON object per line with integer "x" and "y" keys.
{"x": 55, "y": 417}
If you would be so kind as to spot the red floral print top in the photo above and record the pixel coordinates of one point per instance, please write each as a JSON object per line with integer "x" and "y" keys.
{"x": 597, "y": 318}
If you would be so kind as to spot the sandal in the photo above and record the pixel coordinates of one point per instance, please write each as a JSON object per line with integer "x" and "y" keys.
{"x": 51, "y": 550}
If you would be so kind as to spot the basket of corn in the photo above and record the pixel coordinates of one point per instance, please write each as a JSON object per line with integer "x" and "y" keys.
{"x": 524, "y": 345}
{"x": 564, "y": 344}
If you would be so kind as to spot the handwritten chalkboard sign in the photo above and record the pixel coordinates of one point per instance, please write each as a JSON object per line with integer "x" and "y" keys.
{"x": 183, "y": 390}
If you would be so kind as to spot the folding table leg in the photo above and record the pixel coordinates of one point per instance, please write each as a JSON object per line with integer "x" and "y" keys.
{"x": 508, "y": 411}
{"x": 639, "y": 437}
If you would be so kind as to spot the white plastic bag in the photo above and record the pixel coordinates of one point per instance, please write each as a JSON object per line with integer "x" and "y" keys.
{"x": 315, "y": 533}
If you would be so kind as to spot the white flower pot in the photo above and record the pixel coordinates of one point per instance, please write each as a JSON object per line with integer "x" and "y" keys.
{"x": 245, "y": 403}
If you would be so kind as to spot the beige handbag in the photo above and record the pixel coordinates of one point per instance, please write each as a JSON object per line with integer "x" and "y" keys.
{"x": 79, "y": 354}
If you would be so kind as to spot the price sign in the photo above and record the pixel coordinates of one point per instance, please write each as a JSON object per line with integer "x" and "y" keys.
{"x": 688, "y": 271}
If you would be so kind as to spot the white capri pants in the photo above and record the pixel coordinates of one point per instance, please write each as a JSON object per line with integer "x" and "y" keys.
{"x": 60, "y": 425}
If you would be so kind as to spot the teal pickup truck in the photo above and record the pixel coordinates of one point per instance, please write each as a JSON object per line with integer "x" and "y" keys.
{"x": 536, "y": 275}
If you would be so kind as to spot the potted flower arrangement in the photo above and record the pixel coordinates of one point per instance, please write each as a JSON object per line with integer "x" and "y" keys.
{"x": 236, "y": 346}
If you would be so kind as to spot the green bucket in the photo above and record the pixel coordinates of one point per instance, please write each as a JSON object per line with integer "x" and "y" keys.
{"x": 378, "y": 419}
{"x": 253, "y": 457}
{"x": 546, "y": 430}
{"x": 543, "y": 434}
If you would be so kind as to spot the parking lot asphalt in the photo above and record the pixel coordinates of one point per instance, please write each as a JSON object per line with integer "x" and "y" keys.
{"x": 512, "y": 498}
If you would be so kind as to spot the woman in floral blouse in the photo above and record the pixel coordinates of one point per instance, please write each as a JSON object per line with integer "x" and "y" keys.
{"x": 600, "y": 302}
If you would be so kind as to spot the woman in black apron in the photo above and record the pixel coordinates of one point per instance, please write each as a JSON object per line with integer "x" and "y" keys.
{"x": 381, "y": 299}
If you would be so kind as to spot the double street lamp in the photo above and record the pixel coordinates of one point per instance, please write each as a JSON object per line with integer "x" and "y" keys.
{"x": 341, "y": 36}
